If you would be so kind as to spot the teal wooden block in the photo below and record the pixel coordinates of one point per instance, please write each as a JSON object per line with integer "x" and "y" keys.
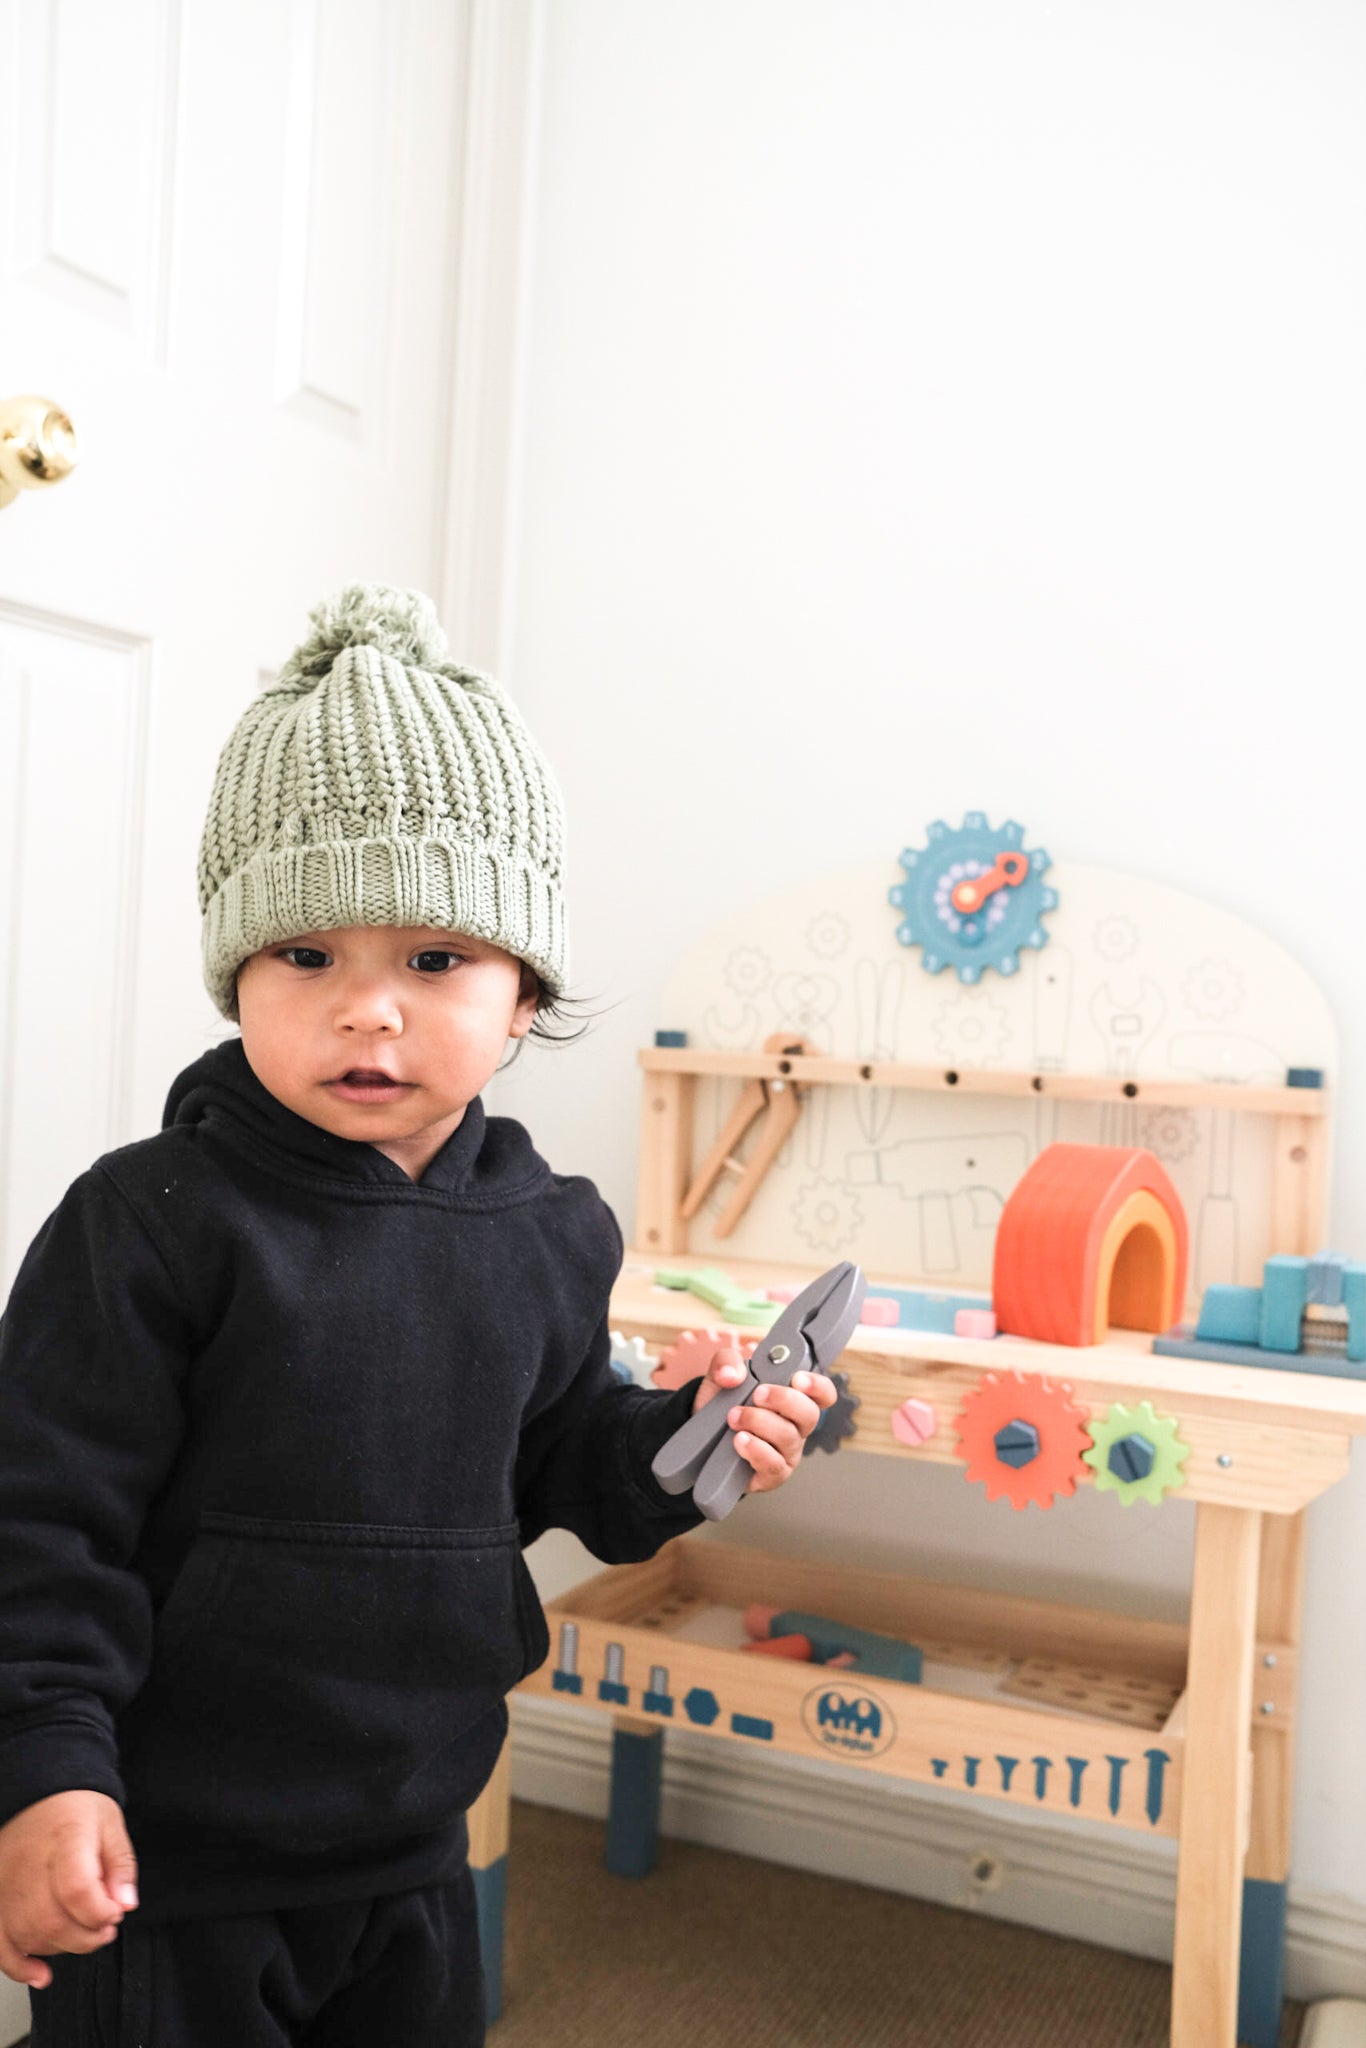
{"x": 1324, "y": 1280}
{"x": 1231, "y": 1315}
{"x": 1354, "y": 1301}
{"x": 1284, "y": 1287}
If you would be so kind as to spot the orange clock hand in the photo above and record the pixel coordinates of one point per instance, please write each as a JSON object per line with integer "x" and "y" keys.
{"x": 1008, "y": 873}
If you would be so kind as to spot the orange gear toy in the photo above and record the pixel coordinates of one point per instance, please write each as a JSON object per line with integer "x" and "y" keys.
{"x": 690, "y": 1355}
{"x": 1024, "y": 1437}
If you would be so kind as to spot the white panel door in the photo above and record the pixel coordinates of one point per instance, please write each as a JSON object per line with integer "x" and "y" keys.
{"x": 228, "y": 250}
{"x": 227, "y": 235}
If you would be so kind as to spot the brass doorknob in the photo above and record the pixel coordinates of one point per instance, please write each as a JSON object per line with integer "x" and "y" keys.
{"x": 37, "y": 445}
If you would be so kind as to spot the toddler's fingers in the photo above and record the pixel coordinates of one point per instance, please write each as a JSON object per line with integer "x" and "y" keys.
{"x": 725, "y": 1371}
{"x": 769, "y": 1428}
{"x": 819, "y": 1386}
{"x": 76, "y": 1874}
{"x": 770, "y": 1466}
{"x": 799, "y": 1409}
{"x": 23, "y": 1969}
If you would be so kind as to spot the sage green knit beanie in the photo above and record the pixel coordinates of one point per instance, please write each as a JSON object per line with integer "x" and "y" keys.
{"x": 375, "y": 783}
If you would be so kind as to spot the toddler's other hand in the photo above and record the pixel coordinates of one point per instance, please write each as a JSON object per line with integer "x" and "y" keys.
{"x": 67, "y": 1874}
{"x": 771, "y": 1430}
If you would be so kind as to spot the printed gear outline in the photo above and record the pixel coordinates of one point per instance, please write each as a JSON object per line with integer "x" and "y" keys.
{"x": 970, "y": 1030}
{"x": 827, "y": 1213}
{"x": 836, "y": 1423}
{"x": 992, "y": 937}
{"x": 1170, "y": 1452}
{"x": 1063, "y": 1433}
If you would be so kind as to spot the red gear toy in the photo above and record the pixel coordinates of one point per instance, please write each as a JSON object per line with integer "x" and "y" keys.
{"x": 688, "y": 1358}
{"x": 1046, "y": 1411}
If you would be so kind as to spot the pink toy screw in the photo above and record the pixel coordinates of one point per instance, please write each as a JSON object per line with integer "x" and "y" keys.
{"x": 914, "y": 1422}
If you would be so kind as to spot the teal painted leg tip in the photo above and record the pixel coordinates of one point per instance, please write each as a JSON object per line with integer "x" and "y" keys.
{"x": 490, "y": 1900}
{"x": 1262, "y": 1970}
{"x": 633, "y": 1810}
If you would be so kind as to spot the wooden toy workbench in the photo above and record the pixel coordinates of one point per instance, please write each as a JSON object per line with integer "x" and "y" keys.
{"x": 1184, "y": 1731}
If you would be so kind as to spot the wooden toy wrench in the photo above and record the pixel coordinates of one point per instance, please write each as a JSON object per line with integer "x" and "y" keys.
{"x": 808, "y": 1337}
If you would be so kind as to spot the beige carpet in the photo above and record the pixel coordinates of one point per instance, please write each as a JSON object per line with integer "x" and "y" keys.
{"x": 716, "y": 1951}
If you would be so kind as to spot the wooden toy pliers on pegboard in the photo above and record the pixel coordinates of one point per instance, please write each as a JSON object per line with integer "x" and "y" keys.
{"x": 779, "y": 1103}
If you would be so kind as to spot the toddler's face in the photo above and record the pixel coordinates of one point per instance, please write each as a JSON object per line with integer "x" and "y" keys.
{"x": 426, "y": 1013}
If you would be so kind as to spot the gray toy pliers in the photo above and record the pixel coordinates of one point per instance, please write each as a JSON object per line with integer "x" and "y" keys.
{"x": 808, "y": 1336}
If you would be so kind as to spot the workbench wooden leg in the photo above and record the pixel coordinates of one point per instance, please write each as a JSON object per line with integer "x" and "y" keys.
{"x": 633, "y": 1810}
{"x": 488, "y": 1825}
{"x": 1279, "y": 1603}
{"x": 1216, "y": 1778}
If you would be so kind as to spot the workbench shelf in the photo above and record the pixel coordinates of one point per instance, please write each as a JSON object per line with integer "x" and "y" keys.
{"x": 1056, "y": 1707}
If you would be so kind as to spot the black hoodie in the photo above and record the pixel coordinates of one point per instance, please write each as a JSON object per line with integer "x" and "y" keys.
{"x": 275, "y": 1422}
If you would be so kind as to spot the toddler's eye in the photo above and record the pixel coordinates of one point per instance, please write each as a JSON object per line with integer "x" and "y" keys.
{"x": 424, "y": 962}
{"x": 304, "y": 956}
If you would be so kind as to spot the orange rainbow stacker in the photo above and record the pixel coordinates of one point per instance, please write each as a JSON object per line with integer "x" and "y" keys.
{"x": 1092, "y": 1235}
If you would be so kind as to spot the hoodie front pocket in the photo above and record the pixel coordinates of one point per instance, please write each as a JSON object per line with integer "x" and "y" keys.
{"x": 322, "y": 1683}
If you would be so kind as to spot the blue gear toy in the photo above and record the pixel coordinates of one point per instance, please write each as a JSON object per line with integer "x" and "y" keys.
{"x": 973, "y": 897}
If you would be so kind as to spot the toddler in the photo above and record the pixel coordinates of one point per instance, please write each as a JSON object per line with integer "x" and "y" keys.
{"x": 286, "y": 1388}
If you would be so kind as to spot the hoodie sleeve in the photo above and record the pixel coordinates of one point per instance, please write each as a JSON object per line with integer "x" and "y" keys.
{"x": 584, "y": 1463}
{"x": 93, "y": 1346}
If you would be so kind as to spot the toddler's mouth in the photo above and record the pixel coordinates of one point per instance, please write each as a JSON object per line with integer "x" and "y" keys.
{"x": 368, "y": 1084}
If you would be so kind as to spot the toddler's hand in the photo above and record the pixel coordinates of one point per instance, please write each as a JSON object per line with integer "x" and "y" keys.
{"x": 771, "y": 1430}
{"x": 67, "y": 1872}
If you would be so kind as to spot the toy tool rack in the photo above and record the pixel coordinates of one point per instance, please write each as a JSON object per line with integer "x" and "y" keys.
{"x": 1151, "y": 1726}
{"x": 1299, "y": 1174}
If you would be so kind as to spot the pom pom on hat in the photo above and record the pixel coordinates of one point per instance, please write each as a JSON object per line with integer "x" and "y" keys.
{"x": 400, "y": 623}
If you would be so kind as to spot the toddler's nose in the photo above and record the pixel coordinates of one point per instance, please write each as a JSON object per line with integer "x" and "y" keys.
{"x": 363, "y": 1012}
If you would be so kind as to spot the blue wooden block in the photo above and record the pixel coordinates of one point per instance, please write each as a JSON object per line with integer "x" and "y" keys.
{"x": 1354, "y": 1301}
{"x": 490, "y": 1907}
{"x": 1284, "y": 1282}
{"x": 1231, "y": 1315}
{"x": 1323, "y": 1282}
{"x": 920, "y": 1309}
{"x": 1261, "y": 1970}
{"x": 671, "y": 1038}
{"x": 633, "y": 1807}
{"x": 1304, "y": 1077}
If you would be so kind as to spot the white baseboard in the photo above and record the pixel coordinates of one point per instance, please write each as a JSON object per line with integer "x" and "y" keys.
{"x": 1339, "y": 2024}
{"x": 1080, "y": 1880}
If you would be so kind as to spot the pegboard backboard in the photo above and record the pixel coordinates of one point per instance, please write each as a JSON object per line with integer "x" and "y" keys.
{"x": 1137, "y": 980}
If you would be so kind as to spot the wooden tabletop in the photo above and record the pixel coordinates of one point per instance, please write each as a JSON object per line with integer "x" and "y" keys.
{"x": 1123, "y": 1366}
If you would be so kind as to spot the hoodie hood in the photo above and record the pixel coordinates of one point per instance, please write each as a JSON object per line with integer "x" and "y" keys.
{"x": 489, "y": 1161}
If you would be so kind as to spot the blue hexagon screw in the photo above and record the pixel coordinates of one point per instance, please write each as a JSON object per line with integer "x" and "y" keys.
{"x": 1131, "y": 1457}
{"x": 1017, "y": 1444}
{"x": 701, "y": 1706}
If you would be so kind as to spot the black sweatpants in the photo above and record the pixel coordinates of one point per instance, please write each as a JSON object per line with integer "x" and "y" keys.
{"x": 400, "y": 1971}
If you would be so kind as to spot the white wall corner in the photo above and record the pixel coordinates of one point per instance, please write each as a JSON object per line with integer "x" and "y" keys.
{"x": 1105, "y": 1886}
{"x": 493, "y": 176}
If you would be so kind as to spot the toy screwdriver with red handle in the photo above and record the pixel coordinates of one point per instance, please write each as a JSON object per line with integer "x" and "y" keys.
{"x": 808, "y": 1336}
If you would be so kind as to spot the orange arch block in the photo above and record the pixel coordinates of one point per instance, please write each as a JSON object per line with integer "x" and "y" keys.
{"x": 1092, "y": 1235}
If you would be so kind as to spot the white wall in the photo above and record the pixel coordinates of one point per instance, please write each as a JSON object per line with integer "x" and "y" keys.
{"x": 934, "y": 406}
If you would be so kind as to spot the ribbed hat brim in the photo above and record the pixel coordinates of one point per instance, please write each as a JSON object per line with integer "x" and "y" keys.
{"x": 329, "y": 884}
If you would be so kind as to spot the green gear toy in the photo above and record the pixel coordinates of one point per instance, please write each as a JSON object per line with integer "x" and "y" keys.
{"x": 1136, "y": 1453}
